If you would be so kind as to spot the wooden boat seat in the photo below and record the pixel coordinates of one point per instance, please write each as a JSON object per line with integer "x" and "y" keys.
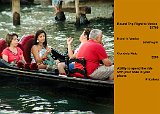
{"x": 82, "y": 71}
{"x": 26, "y": 44}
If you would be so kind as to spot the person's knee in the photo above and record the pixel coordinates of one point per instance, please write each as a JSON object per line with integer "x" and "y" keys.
{"x": 61, "y": 65}
{"x": 61, "y": 68}
{"x": 111, "y": 77}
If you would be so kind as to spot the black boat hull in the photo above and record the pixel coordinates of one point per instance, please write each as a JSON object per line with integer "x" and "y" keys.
{"x": 50, "y": 81}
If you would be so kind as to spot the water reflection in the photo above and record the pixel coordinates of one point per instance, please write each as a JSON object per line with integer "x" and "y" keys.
{"x": 17, "y": 100}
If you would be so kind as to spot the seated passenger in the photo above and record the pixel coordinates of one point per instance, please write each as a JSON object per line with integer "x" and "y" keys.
{"x": 40, "y": 50}
{"x": 12, "y": 54}
{"x": 83, "y": 38}
{"x": 93, "y": 52}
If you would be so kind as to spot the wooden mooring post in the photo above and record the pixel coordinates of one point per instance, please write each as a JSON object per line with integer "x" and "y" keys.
{"x": 77, "y": 12}
{"x": 81, "y": 18}
{"x": 16, "y": 12}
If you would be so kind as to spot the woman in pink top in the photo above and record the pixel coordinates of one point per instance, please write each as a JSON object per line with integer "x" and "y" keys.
{"x": 12, "y": 53}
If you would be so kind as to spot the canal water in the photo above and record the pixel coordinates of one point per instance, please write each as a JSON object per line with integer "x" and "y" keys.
{"x": 15, "y": 100}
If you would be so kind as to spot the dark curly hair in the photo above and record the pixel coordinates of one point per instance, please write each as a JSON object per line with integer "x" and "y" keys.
{"x": 87, "y": 32}
{"x": 36, "y": 37}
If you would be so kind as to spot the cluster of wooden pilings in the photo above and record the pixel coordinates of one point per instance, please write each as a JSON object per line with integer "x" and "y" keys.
{"x": 78, "y": 10}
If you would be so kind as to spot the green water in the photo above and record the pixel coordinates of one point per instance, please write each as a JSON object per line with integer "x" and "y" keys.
{"x": 41, "y": 17}
{"x": 15, "y": 100}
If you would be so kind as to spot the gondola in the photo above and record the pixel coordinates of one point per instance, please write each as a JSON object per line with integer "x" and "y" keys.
{"x": 51, "y": 79}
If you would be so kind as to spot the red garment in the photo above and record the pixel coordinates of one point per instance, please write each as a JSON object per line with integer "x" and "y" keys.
{"x": 12, "y": 56}
{"x": 93, "y": 52}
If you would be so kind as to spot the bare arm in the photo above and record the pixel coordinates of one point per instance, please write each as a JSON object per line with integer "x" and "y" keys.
{"x": 5, "y": 57}
{"x": 106, "y": 62}
{"x": 23, "y": 59}
{"x": 74, "y": 55}
{"x": 69, "y": 42}
{"x": 48, "y": 50}
{"x": 35, "y": 53}
{"x": 70, "y": 52}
